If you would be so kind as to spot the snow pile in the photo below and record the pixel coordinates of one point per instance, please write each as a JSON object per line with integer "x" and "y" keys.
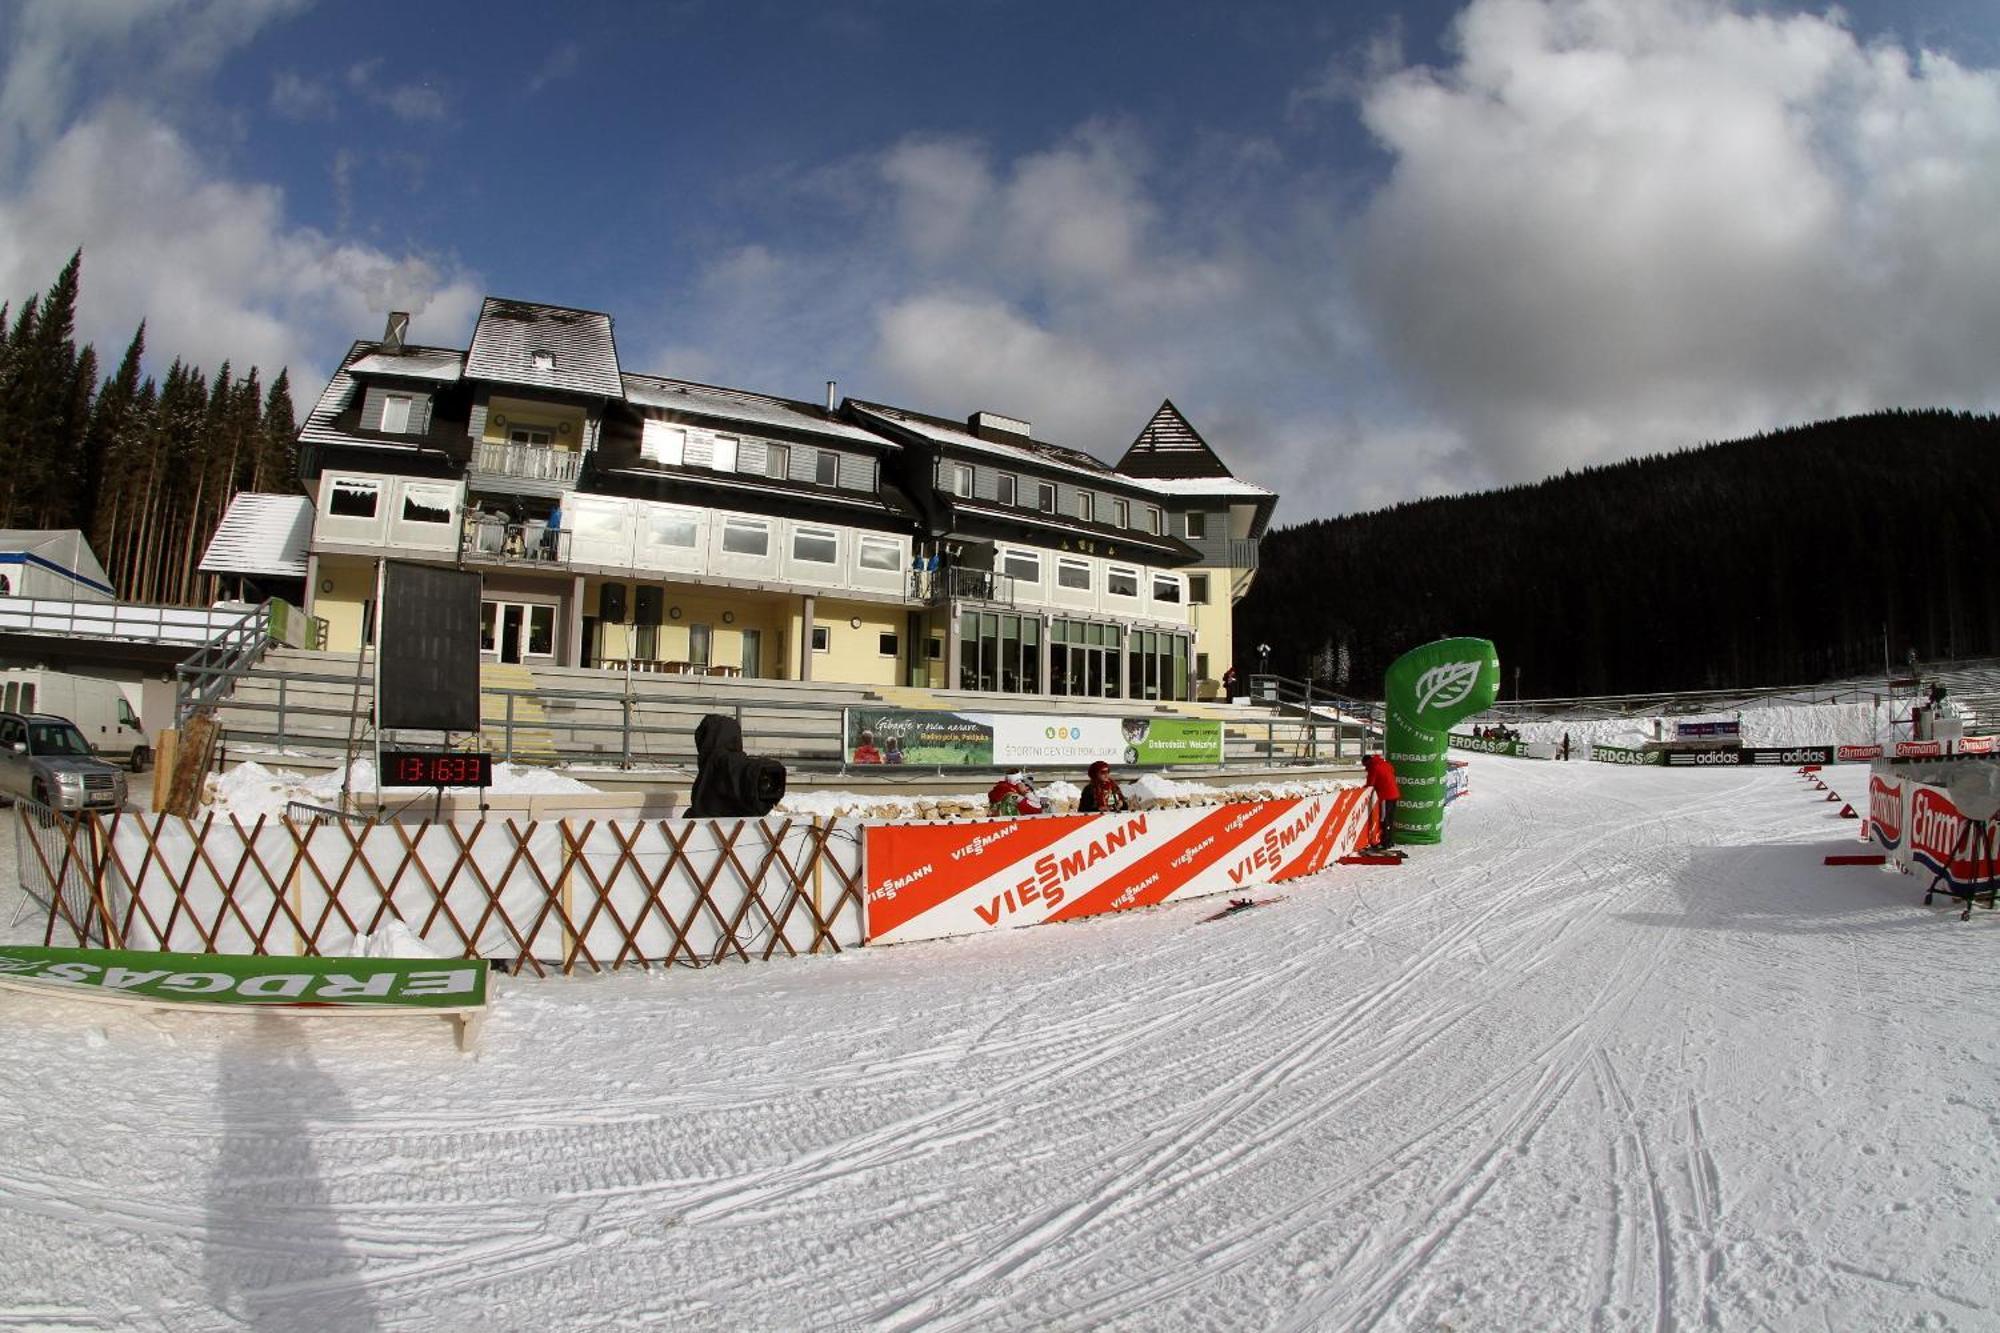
{"x": 251, "y": 790}
{"x": 392, "y": 940}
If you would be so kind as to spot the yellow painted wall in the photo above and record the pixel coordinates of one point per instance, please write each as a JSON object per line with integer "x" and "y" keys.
{"x": 697, "y": 607}
{"x": 1214, "y": 624}
{"x": 854, "y": 656}
{"x": 353, "y": 584}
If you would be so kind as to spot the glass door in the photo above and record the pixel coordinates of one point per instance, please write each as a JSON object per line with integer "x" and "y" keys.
{"x": 753, "y": 653}
{"x": 512, "y": 616}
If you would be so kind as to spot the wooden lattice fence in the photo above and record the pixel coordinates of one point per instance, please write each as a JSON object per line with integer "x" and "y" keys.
{"x": 554, "y": 895}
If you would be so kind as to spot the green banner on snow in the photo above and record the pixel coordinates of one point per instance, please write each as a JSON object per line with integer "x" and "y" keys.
{"x": 1426, "y": 690}
{"x": 237, "y": 979}
{"x": 1614, "y": 754}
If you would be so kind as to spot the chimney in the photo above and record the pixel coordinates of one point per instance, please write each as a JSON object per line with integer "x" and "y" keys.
{"x": 993, "y": 426}
{"x": 399, "y": 327}
{"x": 830, "y": 385}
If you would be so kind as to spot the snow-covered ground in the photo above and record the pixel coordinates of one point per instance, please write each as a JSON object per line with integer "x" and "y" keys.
{"x": 1621, "y": 1053}
{"x": 1780, "y": 724}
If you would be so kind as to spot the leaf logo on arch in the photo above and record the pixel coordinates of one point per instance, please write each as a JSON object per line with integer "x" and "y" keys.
{"x": 1447, "y": 684}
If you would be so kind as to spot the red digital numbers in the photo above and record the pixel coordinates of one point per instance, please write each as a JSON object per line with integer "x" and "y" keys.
{"x": 413, "y": 768}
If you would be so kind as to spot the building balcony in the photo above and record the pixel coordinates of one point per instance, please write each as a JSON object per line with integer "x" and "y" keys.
{"x": 498, "y": 541}
{"x": 1242, "y": 553}
{"x": 528, "y": 468}
{"x": 955, "y": 584}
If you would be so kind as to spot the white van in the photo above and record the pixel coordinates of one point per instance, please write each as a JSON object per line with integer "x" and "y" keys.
{"x": 101, "y": 709}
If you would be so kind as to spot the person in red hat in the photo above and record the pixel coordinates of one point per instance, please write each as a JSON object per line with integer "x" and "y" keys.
{"x": 1382, "y": 780}
{"x": 1102, "y": 794}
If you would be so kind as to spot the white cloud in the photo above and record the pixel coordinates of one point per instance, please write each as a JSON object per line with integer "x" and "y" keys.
{"x": 562, "y": 62}
{"x": 296, "y": 97}
{"x": 212, "y": 265}
{"x": 1618, "y": 227}
{"x": 411, "y": 102}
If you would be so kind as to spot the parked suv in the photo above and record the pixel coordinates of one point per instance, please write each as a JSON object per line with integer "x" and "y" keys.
{"x": 46, "y": 759}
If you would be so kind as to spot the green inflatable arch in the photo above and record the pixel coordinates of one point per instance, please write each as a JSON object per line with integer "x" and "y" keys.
{"x": 1426, "y": 690}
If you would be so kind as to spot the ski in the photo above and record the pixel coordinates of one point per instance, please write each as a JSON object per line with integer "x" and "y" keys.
{"x": 1240, "y": 905}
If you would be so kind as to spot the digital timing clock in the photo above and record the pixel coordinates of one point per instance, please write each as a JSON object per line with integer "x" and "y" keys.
{"x": 414, "y": 768}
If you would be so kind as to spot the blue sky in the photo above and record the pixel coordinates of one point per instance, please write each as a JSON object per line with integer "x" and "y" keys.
{"x": 1373, "y": 251}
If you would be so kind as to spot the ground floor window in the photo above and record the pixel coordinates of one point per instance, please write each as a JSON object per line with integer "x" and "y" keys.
{"x": 516, "y": 631}
{"x": 1083, "y": 659}
{"x": 1000, "y": 652}
{"x": 1156, "y": 665}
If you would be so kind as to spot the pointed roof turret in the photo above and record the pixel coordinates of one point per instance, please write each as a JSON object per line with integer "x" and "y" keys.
{"x": 1169, "y": 448}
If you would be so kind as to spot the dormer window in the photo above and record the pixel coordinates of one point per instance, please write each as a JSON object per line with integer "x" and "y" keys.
{"x": 396, "y": 413}
{"x": 543, "y": 360}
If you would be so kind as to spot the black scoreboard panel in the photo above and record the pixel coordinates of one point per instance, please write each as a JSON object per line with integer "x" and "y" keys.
{"x": 427, "y": 649}
{"x": 415, "y": 768}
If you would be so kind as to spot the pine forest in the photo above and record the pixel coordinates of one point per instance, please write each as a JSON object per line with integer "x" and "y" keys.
{"x": 1822, "y": 552}
{"x": 145, "y": 469}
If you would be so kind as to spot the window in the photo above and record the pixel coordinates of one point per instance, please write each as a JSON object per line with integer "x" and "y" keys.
{"x": 396, "y": 413}
{"x": 1166, "y": 588}
{"x": 541, "y": 631}
{"x": 1153, "y": 524}
{"x": 961, "y": 479}
{"x": 826, "y": 468}
{"x": 1023, "y": 565}
{"x": 538, "y": 436}
{"x": 822, "y": 638}
{"x": 350, "y": 497}
{"x": 1086, "y": 506}
{"x": 670, "y": 529}
{"x": 880, "y": 553}
{"x": 722, "y": 457}
{"x": 1198, "y": 591}
{"x": 1008, "y": 488}
{"x": 428, "y": 504}
{"x": 662, "y": 443}
{"x": 778, "y": 461}
{"x": 1073, "y": 574}
{"x": 1122, "y": 582}
{"x": 698, "y": 644}
{"x": 742, "y": 536}
{"x": 1045, "y": 496}
{"x": 816, "y": 546}
{"x": 1197, "y": 526}
{"x": 885, "y": 644}
{"x": 1121, "y": 513}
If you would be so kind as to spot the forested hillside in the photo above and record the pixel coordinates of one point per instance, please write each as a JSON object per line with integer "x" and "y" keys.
{"x": 1786, "y": 558}
{"x": 144, "y": 468}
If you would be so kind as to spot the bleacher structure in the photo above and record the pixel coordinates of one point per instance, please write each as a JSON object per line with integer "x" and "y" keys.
{"x": 309, "y": 710}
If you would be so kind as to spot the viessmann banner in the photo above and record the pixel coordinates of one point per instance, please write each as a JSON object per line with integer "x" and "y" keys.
{"x": 984, "y": 740}
{"x": 929, "y": 881}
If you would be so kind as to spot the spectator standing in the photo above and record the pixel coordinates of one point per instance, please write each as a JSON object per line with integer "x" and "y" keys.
{"x": 1382, "y": 781}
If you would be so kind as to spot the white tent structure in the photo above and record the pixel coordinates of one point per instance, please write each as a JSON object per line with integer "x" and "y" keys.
{"x": 52, "y": 563}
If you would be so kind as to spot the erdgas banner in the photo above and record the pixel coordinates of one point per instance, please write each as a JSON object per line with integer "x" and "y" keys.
{"x": 233, "y": 979}
{"x": 1426, "y": 690}
{"x": 985, "y": 740}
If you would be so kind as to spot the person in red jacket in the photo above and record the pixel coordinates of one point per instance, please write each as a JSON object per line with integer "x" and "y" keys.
{"x": 1382, "y": 780}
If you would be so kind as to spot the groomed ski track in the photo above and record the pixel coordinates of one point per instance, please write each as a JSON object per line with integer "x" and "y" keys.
{"x": 1621, "y": 1054}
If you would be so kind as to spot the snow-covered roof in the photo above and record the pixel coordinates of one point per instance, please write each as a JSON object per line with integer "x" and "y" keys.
{"x": 1028, "y": 451}
{"x": 64, "y": 552}
{"x": 266, "y": 535}
{"x": 1223, "y": 486}
{"x": 545, "y": 347}
{"x": 739, "y": 405}
{"x": 421, "y": 363}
